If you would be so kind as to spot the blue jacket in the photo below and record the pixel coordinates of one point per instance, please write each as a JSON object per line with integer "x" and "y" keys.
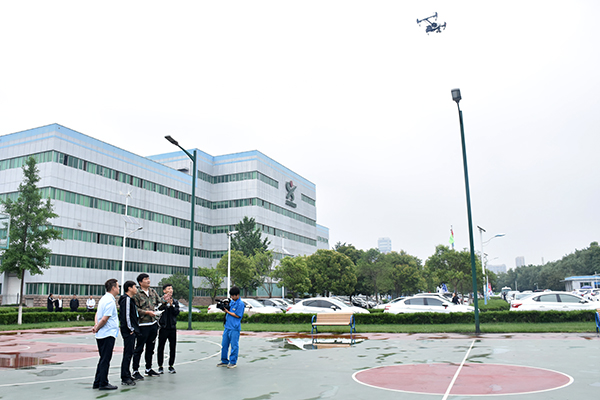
{"x": 233, "y": 323}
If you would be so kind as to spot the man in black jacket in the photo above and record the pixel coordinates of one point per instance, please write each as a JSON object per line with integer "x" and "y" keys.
{"x": 168, "y": 328}
{"x": 74, "y": 304}
{"x": 130, "y": 329}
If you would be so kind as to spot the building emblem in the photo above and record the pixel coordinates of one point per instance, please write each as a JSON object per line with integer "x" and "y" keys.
{"x": 289, "y": 197}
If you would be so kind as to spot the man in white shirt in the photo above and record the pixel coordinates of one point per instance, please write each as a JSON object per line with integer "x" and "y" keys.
{"x": 106, "y": 330}
{"x": 90, "y": 303}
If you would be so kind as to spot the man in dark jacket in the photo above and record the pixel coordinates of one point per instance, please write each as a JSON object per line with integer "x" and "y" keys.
{"x": 74, "y": 304}
{"x": 147, "y": 302}
{"x": 168, "y": 328}
{"x": 50, "y": 303}
{"x": 130, "y": 329}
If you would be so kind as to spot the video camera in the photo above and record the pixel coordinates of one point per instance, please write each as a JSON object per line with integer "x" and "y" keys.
{"x": 223, "y": 304}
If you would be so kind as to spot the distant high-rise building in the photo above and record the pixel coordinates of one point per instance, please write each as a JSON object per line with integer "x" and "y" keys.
{"x": 497, "y": 269}
{"x": 384, "y": 245}
{"x": 520, "y": 261}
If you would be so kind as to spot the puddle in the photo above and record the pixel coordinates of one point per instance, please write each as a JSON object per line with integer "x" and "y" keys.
{"x": 316, "y": 343}
{"x": 21, "y": 360}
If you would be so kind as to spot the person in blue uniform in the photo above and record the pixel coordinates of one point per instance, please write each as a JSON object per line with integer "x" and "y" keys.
{"x": 231, "y": 333}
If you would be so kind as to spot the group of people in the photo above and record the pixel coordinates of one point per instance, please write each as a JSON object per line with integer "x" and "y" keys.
{"x": 143, "y": 316}
{"x": 57, "y": 304}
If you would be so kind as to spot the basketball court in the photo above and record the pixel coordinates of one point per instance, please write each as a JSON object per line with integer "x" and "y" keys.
{"x": 60, "y": 364}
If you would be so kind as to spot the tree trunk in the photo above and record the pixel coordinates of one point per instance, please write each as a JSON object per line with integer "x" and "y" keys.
{"x": 20, "y": 315}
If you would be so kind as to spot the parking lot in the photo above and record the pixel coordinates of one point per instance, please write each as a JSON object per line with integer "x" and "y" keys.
{"x": 60, "y": 364}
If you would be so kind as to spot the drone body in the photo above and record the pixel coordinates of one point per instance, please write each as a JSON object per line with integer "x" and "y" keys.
{"x": 432, "y": 26}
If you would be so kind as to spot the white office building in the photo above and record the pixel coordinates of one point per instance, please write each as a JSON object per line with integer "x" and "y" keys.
{"x": 87, "y": 181}
{"x": 384, "y": 245}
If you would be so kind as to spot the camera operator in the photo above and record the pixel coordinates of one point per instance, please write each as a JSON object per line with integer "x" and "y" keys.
{"x": 231, "y": 333}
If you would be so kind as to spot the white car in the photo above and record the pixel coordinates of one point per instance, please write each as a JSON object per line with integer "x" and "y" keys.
{"x": 431, "y": 303}
{"x": 252, "y": 307}
{"x": 559, "y": 301}
{"x": 324, "y": 305}
{"x": 383, "y": 305}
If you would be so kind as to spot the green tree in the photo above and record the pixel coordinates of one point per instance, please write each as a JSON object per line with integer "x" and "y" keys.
{"x": 370, "y": 270}
{"x": 453, "y": 268}
{"x": 30, "y": 230}
{"x": 331, "y": 272}
{"x": 248, "y": 238}
{"x": 263, "y": 262}
{"x": 181, "y": 285}
{"x": 349, "y": 250}
{"x": 404, "y": 273}
{"x": 213, "y": 279}
{"x": 292, "y": 273}
{"x": 243, "y": 271}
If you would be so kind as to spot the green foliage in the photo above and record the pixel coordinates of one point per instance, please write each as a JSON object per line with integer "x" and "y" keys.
{"x": 263, "y": 262}
{"x": 45, "y": 316}
{"x": 243, "y": 271}
{"x": 404, "y": 273}
{"x": 453, "y": 268}
{"x": 350, "y": 251}
{"x": 181, "y": 285}
{"x": 551, "y": 275}
{"x": 292, "y": 273}
{"x": 331, "y": 272}
{"x": 370, "y": 271}
{"x": 248, "y": 238}
{"x": 30, "y": 229}
{"x": 213, "y": 279}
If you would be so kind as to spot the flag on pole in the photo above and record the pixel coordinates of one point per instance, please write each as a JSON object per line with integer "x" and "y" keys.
{"x": 452, "y": 237}
{"x": 444, "y": 288}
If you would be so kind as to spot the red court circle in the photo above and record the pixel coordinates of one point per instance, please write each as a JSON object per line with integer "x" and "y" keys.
{"x": 473, "y": 379}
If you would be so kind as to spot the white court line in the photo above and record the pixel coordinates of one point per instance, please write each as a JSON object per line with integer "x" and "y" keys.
{"x": 113, "y": 374}
{"x": 457, "y": 372}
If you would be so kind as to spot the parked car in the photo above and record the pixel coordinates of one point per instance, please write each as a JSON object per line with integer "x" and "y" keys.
{"x": 383, "y": 305}
{"x": 184, "y": 308}
{"x": 277, "y": 303}
{"x": 323, "y": 305}
{"x": 423, "y": 303}
{"x": 252, "y": 307}
{"x": 560, "y": 301}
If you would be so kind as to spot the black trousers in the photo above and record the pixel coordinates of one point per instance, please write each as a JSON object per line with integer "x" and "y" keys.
{"x": 105, "y": 348}
{"x": 163, "y": 335}
{"x": 128, "y": 347}
{"x": 147, "y": 339}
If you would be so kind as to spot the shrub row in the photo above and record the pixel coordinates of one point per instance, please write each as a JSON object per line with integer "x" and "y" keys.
{"x": 35, "y": 317}
{"x": 414, "y": 318}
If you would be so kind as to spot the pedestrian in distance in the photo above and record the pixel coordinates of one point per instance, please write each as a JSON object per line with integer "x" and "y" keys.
{"x": 106, "y": 330}
{"x": 231, "y": 333}
{"x": 59, "y": 304}
{"x": 74, "y": 304}
{"x": 50, "y": 303}
{"x": 90, "y": 304}
{"x": 455, "y": 299}
{"x": 147, "y": 301}
{"x": 168, "y": 328}
{"x": 130, "y": 330}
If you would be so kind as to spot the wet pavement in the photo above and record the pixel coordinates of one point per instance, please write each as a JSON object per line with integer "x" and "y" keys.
{"x": 60, "y": 364}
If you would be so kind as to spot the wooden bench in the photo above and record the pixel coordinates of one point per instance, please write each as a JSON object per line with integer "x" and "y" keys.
{"x": 333, "y": 319}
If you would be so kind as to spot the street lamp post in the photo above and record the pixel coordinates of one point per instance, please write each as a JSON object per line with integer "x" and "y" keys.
{"x": 193, "y": 201}
{"x": 485, "y": 283}
{"x": 126, "y": 219}
{"x": 229, "y": 235}
{"x": 456, "y": 97}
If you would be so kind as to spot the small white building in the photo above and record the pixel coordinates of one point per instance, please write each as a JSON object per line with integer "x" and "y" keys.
{"x": 579, "y": 282}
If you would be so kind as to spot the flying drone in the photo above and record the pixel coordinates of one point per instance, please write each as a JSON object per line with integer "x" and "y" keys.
{"x": 432, "y": 26}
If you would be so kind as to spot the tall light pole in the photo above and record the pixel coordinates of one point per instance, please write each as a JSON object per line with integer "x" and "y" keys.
{"x": 456, "y": 97}
{"x": 193, "y": 201}
{"x": 485, "y": 283}
{"x": 127, "y": 219}
{"x": 229, "y": 235}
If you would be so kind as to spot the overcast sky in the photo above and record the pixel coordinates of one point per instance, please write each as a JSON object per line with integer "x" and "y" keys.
{"x": 352, "y": 95}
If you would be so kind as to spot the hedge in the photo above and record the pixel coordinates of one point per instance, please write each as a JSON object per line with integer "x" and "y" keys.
{"x": 414, "y": 318}
{"x": 36, "y": 317}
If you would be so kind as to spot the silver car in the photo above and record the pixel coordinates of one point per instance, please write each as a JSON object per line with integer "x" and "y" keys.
{"x": 324, "y": 305}
{"x": 422, "y": 303}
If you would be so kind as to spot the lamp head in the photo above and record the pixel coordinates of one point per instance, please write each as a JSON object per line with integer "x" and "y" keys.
{"x": 170, "y": 139}
{"x": 232, "y": 233}
{"x": 456, "y": 95}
